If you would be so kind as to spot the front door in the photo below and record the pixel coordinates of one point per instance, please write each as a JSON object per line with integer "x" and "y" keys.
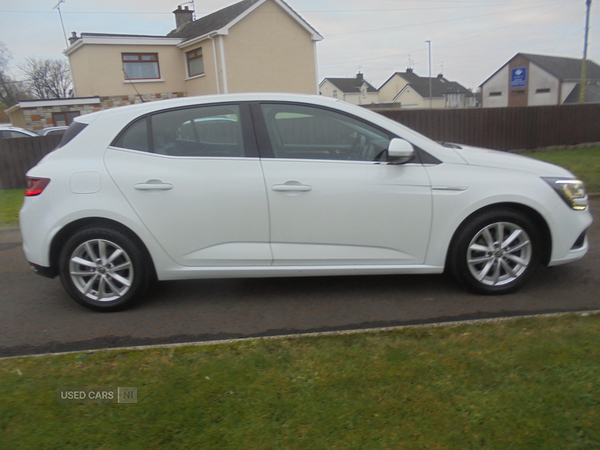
{"x": 333, "y": 200}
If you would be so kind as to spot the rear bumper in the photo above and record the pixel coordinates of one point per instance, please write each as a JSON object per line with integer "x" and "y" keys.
{"x": 47, "y": 272}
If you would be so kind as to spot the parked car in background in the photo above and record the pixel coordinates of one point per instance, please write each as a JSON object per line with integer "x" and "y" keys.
{"x": 52, "y": 131}
{"x": 278, "y": 185}
{"x": 9, "y": 132}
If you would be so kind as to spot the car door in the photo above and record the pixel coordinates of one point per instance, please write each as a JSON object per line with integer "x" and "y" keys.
{"x": 193, "y": 177}
{"x": 333, "y": 199}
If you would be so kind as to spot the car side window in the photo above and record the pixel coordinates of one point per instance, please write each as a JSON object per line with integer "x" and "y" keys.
{"x": 310, "y": 132}
{"x": 135, "y": 137}
{"x": 214, "y": 131}
{"x": 202, "y": 131}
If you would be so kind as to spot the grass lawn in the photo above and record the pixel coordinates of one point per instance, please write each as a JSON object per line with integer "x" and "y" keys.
{"x": 10, "y": 204}
{"x": 584, "y": 163}
{"x": 527, "y": 384}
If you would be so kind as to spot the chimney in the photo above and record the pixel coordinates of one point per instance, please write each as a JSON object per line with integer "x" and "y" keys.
{"x": 409, "y": 70}
{"x": 359, "y": 76}
{"x": 73, "y": 38}
{"x": 183, "y": 16}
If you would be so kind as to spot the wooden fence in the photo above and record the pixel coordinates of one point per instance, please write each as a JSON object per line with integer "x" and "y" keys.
{"x": 505, "y": 128}
{"x": 497, "y": 128}
{"x": 18, "y": 155}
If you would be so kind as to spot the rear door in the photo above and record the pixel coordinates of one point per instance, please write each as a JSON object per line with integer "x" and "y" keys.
{"x": 193, "y": 177}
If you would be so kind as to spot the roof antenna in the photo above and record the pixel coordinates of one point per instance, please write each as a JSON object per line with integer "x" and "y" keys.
{"x": 193, "y": 8}
{"x": 131, "y": 81}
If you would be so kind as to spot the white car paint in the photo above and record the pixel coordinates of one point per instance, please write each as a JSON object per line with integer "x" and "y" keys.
{"x": 202, "y": 217}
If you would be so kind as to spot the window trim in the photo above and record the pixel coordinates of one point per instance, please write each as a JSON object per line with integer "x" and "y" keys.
{"x": 66, "y": 114}
{"x": 265, "y": 147}
{"x": 140, "y": 61}
{"x": 249, "y": 139}
{"x": 188, "y": 59}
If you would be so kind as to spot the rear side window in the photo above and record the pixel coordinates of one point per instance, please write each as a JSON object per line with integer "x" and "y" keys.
{"x": 202, "y": 131}
{"x": 135, "y": 137}
{"x": 74, "y": 129}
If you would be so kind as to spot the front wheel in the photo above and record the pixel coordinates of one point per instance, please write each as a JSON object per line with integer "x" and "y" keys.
{"x": 496, "y": 252}
{"x": 103, "y": 269}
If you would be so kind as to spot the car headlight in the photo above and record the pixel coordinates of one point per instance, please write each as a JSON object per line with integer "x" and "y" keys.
{"x": 572, "y": 191}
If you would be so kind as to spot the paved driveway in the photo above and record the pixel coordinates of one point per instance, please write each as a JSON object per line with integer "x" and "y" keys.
{"x": 37, "y": 316}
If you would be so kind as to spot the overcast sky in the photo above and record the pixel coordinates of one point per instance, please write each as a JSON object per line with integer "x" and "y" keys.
{"x": 470, "y": 39}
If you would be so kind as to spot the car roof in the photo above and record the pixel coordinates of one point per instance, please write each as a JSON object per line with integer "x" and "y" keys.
{"x": 19, "y": 129}
{"x": 149, "y": 107}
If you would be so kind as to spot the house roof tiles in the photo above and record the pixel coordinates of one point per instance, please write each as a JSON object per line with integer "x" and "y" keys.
{"x": 212, "y": 22}
{"x": 564, "y": 69}
{"x": 224, "y": 17}
{"x": 351, "y": 85}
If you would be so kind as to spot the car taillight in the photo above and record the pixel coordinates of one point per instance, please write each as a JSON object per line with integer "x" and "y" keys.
{"x": 35, "y": 186}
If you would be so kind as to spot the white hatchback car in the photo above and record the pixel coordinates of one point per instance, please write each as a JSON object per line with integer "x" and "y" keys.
{"x": 265, "y": 185}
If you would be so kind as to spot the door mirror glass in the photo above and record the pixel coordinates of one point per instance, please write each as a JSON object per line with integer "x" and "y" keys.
{"x": 400, "y": 151}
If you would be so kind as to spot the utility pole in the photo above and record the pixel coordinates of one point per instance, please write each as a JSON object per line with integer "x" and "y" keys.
{"x": 588, "y": 4}
{"x": 430, "y": 99}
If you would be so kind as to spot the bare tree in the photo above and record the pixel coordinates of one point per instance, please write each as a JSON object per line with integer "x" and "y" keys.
{"x": 11, "y": 90}
{"x": 47, "y": 78}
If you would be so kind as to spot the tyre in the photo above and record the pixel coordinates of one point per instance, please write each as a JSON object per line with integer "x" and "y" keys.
{"x": 496, "y": 252}
{"x": 103, "y": 269}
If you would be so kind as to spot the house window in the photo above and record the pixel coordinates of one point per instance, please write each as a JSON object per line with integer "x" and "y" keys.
{"x": 335, "y": 93}
{"x": 542, "y": 91}
{"x": 195, "y": 63}
{"x": 141, "y": 66}
{"x": 495, "y": 94}
{"x": 64, "y": 118}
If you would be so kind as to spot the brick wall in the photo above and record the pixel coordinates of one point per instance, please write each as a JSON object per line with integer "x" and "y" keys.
{"x": 42, "y": 117}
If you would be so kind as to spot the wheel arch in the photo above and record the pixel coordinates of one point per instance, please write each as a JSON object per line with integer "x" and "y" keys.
{"x": 67, "y": 231}
{"x": 532, "y": 214}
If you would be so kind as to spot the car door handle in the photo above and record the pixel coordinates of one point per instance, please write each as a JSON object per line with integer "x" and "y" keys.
{"x": 153, "y": 185}
{"x": 291, "y": 186}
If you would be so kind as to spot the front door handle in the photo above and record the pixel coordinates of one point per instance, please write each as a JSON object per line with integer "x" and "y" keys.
{"x": 291, "y": 186}
{"x": 153, "y": 185}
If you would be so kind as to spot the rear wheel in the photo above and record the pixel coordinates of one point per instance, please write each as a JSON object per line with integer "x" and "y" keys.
{"x": 496, "y": 252}
{"x": 103, "y": 269}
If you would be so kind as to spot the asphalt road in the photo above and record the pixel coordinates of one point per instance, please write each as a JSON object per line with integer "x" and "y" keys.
{"x": 37, "y": 316}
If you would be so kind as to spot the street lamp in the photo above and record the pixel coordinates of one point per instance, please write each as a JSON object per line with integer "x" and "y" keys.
{"x": 588, "y": 4}
{"x": 430, "y": 99}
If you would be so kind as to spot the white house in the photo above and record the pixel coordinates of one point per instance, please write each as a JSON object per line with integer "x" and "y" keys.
{"x": 351, "y": 90}
{"x": 409, "y": 90}
{"x": 536, "y": 80}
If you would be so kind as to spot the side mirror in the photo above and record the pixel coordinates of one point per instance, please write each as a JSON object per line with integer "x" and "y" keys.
{"x": 400, "y": 151}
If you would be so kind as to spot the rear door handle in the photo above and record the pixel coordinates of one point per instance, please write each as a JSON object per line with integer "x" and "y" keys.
{"x": 153, "y": 185}
{"x": 291, "y": 186}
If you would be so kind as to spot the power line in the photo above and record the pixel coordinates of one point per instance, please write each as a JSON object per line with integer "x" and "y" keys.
{"x": 434, "y": 22}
